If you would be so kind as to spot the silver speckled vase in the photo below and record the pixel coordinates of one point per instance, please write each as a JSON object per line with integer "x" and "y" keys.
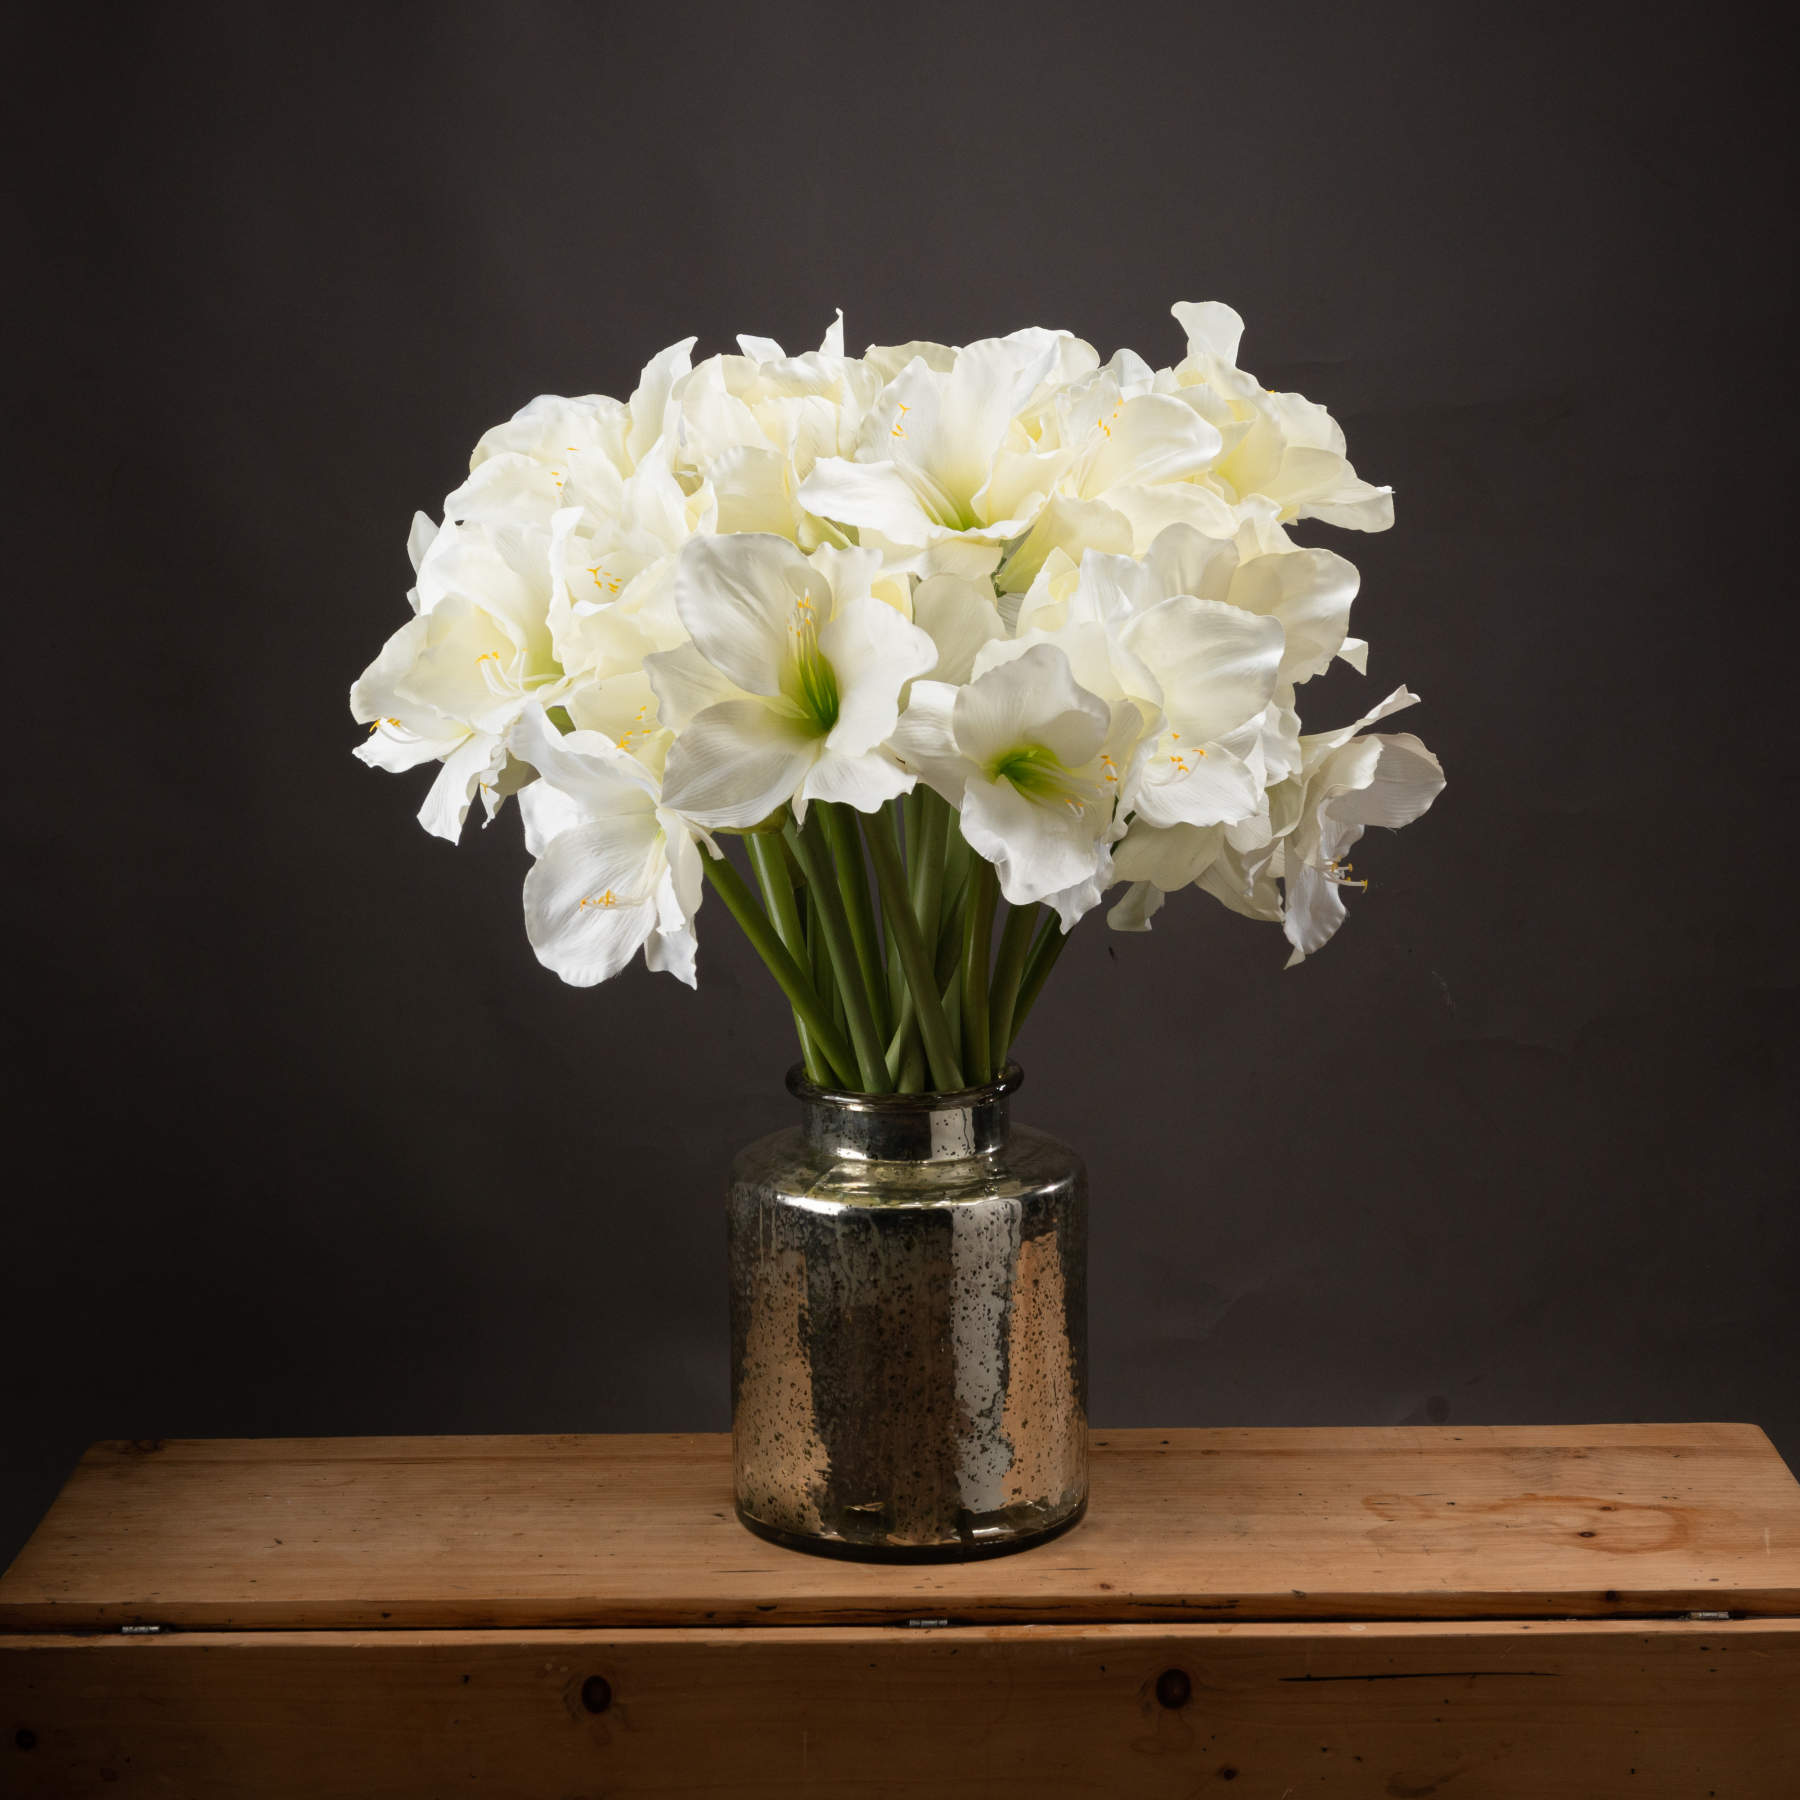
{"x": 909, "y": 1327}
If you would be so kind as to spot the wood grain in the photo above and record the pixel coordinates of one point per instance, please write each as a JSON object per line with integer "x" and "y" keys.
{"x": 1555, "y": 1711}
{"x": 547, "y": 1532}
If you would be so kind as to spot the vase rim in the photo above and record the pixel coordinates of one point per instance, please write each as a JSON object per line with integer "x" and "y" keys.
{"x": 1008, "y": 1081}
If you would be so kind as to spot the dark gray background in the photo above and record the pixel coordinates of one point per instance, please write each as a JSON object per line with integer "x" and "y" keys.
{"x": 327, "y": 1152}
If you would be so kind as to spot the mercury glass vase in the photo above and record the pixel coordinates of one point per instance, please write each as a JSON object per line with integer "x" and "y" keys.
{"x": 909, "y": 1327}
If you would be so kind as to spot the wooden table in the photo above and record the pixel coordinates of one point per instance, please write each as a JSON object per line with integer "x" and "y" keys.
{"x": 1557, "y": 1611}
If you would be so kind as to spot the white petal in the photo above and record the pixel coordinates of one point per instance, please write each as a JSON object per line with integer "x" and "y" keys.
{"x": 1405, "y": 779}
{"x": 959, "y": 616}
{"x": 1037, "y": 850}
{"x": 418, "y": 540}
{"x": 1309, "y": 592}
{"x": 874, "y": 653}
{"x": 582, "y": 777}
{"x": 1032, "y": 701}
{"x": 650, "y": 400}
{"x": 925, "y": 739}
{"x": 1216, "y": 663}
{"x": 737, "y": 596}
{"x": 751, "y": 487}
{"x": 546, "y": 813}
{"x": 685, "y": 684}
{"x": 1318, "y": 744}
{"x": 375, "y": 695}
{"x": 867, "y": 494}
{"x": 447, "y": 804}
{"x": 672, "y": 953}
{"x": 1187, "y": 561}
{"x": 1212, "y": 328}
{"x": 1071, "y": 904}
{"x": 1244, "y": 885}
{"x": 1151, "y": 440}
{"x": 1214, "y": 788}
{"x": 1135, "y": 908}
{"x": 953, "y": 425}
{"x": 1152, "y": 510}
{"x": 736, "y": 764}
{"x": 1353, "y": 504}
{"x": 1113, "y": 589}
{"x": 392, "y": 747}
{"x": 687, "y": 883}
{"x": 866, "y": 782}
{"x": 586, "y": 908}
{"x": 1072, "y": 526}
{"x": 1169, "y": 856}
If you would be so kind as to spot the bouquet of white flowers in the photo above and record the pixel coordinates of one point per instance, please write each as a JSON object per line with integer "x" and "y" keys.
{"x": 1018, "y": 623}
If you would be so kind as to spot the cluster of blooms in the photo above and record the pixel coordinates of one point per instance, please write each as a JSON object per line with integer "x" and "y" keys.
{"x": 1058, "y": 592}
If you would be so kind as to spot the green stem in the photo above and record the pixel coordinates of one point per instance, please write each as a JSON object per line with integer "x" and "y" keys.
{"x": 925, "y": 855}
{"x": 1044, "y": 953}
{"x": 853, "y": 886}
{"x": 903, "y": 1046}
{"x": 958, "y": 860}
{"x": 1009, "y": 969}
{"x": 921, "y": 977}
{"x": 824, "y": 980}
{"x": 810, "y": 852}
{"x": 769, "y": 861}
{"x": 741, "y": 904}
{"x": 953, "y": 1010}
{"x": 978, "y": 929}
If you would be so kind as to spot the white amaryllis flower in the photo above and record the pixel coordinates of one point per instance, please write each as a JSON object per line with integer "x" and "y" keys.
{"x": 1349, "y": 782}
{"x": 1059, "y": 590}
{"x": 1037, "y": 766}
{"x": 616, "y": 872}
{"x": 1135, "y": 460}
{"x": 1345, "y": 783}
{"x": 449, "y": 683}
{"x": 612, "y": 573}
{"x": 938, "y": 469}
{"x": 791, "y": 685}
{"x": 1283, "y": 446}
{"x": 1204, "y": 669}
{"x": 755, "y": 425}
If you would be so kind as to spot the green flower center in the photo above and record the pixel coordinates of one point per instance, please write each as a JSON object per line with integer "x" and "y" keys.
{"x": 1040, "y": 774}
{"x": 810, "y": 681}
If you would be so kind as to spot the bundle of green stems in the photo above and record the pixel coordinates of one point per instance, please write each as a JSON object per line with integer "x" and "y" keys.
{"x": 880, "y": 929}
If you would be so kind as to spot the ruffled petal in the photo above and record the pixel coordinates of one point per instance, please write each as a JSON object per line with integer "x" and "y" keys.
{"x": 737, "y": 597}
{"x": 736, "y": 764}
{"x": 589, "y": 904}
{"x": 874, "y": 653}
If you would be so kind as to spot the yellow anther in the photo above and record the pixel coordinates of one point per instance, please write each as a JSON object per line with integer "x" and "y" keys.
{"x": 606, "y": 899}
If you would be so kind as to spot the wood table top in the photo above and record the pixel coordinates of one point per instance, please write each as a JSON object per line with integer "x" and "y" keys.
{"x": 1429, "y": 1523}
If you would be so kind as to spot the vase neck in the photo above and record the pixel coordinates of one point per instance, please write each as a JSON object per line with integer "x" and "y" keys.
{"x": 907, "y": 1127}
